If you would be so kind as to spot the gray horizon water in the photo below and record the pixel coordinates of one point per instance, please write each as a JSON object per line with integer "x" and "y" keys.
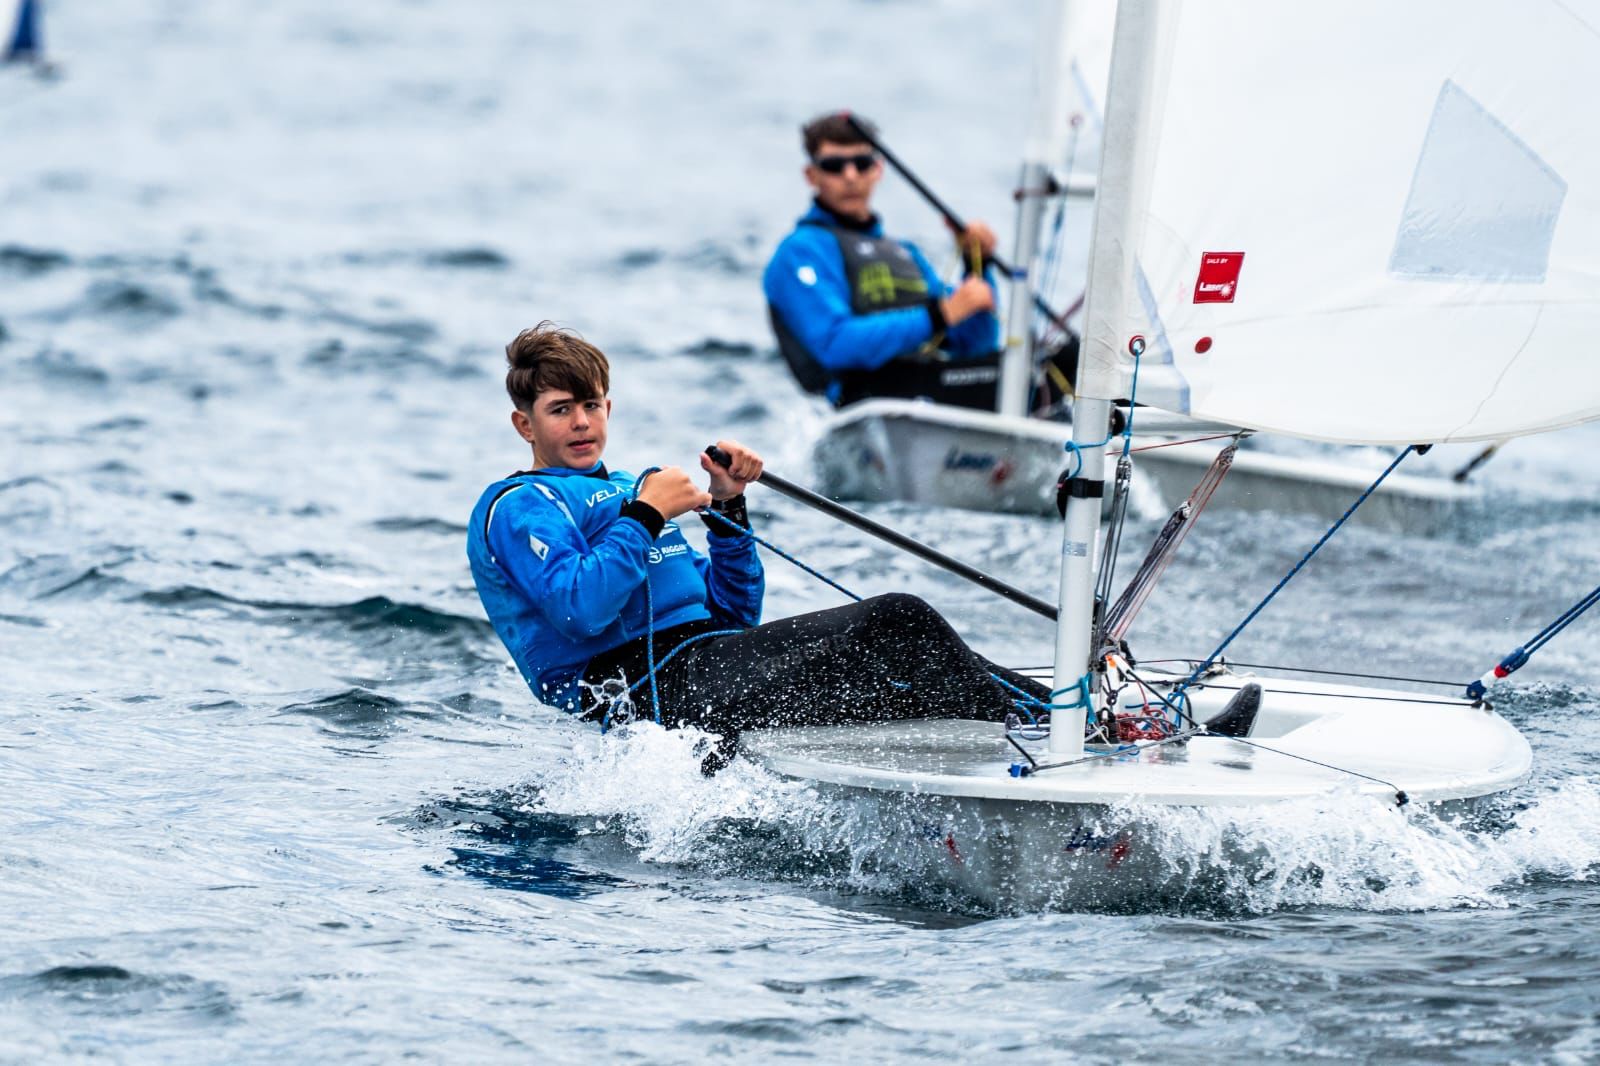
{"x": 273, "y": 788}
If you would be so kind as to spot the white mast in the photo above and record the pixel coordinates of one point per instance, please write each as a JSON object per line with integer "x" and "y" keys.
{"x": 1121, "y": 193}
{"x": 1051, "y": 71}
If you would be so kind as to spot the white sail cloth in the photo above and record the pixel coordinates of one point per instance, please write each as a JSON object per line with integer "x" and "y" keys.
{"x": 1069, "y": 86}
{"x": 1368, "y": 221}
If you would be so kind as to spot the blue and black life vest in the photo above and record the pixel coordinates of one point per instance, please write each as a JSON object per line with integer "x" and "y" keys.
{"x": 884, "y": 276}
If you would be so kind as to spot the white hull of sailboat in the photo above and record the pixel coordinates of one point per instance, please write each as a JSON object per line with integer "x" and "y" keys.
{"x": 941, "y": 805}
{"x": 931, "y": 454}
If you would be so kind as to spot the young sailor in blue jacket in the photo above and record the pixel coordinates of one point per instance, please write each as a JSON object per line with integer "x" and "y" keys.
{"x": 588, "y": 580}
{"x": 858, "y": 314}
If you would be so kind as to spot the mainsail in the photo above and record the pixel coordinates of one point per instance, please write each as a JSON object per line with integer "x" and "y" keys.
{"x": 1366, "y": 222}
{"x": 1067, "y": 110}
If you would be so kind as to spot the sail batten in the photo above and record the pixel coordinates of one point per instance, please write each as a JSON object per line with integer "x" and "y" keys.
{"x": 1372, "y": 224}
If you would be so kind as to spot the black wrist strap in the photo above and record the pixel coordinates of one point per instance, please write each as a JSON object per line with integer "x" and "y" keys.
{"x": 651, "y": 519}
{"x": 732, "y": 510}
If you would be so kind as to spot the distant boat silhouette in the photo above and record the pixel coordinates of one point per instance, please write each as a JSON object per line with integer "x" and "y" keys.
{"x": 21, "y": 36}
{"x": 23, "y": 42}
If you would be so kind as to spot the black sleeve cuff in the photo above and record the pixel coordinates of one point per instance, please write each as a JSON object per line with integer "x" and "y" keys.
{"x": 732, "y": 510}
{"x": 936, "y": 315}
{"x": 651, "y": 519}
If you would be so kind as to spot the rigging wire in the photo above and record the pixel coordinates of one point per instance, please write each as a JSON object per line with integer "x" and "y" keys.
{"x": 1050, "y": 270}
{"x": 1513, "y": 662}
{"x": 1420, "y": 700}
{"x": 1164, "y": 549}
{"x": 1330, "y": 673}
{"x": 1400, "y": 797}
{"x": 1237, "y": 435}
{"x": 1197, "y": 728}
{"x": 1240, "y": 628}
{"x": 1113, "y": 537}
{"x": 1119, "y": 506}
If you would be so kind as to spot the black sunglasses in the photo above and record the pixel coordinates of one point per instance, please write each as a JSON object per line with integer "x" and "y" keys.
{"x": 835, "y": 164}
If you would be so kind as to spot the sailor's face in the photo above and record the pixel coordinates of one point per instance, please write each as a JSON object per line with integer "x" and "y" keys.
{"x": 844, "y": 176}
{"x": 564, "y": 430}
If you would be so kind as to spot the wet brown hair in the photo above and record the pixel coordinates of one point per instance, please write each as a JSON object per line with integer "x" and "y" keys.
{"x": 546, "y": 357}
{"x": 833, "y": 127}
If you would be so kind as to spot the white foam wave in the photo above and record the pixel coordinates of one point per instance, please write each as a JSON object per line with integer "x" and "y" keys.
{"x": 648, "y": 779}
{"x": 1360, "y": 853}
{"x": 1342, "y": 851}
{"x": 1558, "y": 835}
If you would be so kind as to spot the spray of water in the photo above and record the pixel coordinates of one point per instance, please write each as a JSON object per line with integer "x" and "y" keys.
{"x": 645, "y": 782}
{"x": 1341, "y": 850}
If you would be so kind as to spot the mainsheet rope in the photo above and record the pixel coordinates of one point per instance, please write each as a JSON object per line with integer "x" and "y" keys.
{"x": 1024, "y": 701}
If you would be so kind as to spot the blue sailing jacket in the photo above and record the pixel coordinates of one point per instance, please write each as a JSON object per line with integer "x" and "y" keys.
{"x": 808, "y": 286}
{"x": 562, "y": 574}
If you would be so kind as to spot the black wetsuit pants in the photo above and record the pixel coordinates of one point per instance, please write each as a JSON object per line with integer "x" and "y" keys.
{"x": 885, "y": 658}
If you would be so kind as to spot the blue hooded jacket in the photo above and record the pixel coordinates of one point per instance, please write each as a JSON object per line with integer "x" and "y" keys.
{"x": 806, "y": 283}
{"x": 562, "y": 573}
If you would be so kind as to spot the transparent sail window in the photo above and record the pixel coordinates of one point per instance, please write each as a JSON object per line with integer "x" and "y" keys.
{"x": 1483, "y": 205}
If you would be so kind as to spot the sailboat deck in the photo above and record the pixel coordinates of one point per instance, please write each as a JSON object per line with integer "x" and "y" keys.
{"x": 1433, "y": 751}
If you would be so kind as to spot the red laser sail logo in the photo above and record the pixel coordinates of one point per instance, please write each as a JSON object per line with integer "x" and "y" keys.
{"x": 1219, "y": 277}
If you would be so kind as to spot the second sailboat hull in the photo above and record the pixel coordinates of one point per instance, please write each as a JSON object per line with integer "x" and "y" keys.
{"x": 914, "y": 452}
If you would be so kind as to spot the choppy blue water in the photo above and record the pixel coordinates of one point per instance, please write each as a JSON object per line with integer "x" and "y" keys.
{"x": 269, "y": 785}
